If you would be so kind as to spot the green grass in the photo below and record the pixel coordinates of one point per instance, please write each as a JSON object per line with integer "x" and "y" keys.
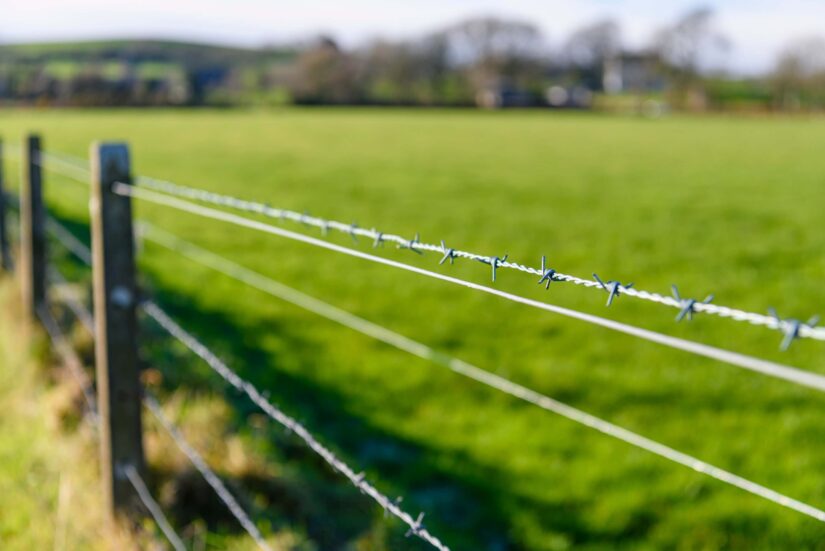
{"x": 730, "y": 206}
{"x": 47, "y": 470}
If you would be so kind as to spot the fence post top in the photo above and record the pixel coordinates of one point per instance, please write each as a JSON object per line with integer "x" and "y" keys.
{"x": 118, "y": 151}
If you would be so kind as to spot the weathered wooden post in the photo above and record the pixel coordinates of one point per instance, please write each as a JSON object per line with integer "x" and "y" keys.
{"x": 115, "y": 302}
{"x": 5, "y": 254}
{"x": 32, "y": 230}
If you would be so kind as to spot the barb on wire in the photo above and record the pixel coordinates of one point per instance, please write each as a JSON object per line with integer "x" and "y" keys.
{"x": 791, "y": 327}
{"x": 153, "y": 507}
{"x": 211, "y": 478}
{"x": 496, "y": 382}
{"x": 805, "y": 330}
{"x": 613, "y": 288}
{"x": 217, "y": 365}
{"x": 547, "y": 274}
{"x": 788, "y": 373}
{"x": 688, "y": 304}
{"x": 449, "y": 254}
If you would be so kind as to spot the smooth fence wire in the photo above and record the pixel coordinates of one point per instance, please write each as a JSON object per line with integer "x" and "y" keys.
{"x": 69, "y": 297}
{"x": 496, "y": 382}
{"x": 780, "y": 371}
{"x": 69, "y": 241}
{"x": 208, "y": 474}
{"x": 83, "y": 253}
{"x": 68, "y": 165}
{"x": 84, "y": 316}
{"x": 70, "y": 359}
{"x": 415, "y": 525}
{"x": 153, "y": 507}
{"x": 687, "y": 307}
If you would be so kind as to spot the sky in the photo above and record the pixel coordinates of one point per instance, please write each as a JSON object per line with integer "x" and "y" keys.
{"x": 757, "y": 29}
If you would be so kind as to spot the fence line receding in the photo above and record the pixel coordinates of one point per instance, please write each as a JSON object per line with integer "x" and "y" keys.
{"x": 116, "y": 299}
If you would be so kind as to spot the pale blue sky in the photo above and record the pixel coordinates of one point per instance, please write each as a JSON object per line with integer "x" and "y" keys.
{"x": 757, "y": 28}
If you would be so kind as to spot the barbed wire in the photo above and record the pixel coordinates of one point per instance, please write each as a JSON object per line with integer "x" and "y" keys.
{"x": 686, "y": 306}
{"x": 208, "y": 474}
{"x": 416, "y": 526}
{"x": 406, "y": 344}
{"x": 153, "y": 507}
{"x": 791, "y": 328}
{"x": 785, "y": 372}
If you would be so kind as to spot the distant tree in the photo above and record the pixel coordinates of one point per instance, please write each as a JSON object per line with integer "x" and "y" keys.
{"x": 590, "y": 47}
{"x": 682, "y": 47}
{"x": 799, "y": 76}
{"x": 406, "y": 72}
{"x": 492, "y": 50}
{"x": 324, "y": 73}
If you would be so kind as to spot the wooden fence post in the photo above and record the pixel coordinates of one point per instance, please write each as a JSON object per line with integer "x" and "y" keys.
{"x": 32, "y": 230}
{"x": 5, "y": 254}
{"x": 115, "y": 302}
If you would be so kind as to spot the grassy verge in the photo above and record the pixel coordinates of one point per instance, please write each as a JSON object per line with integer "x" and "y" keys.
{"x": 49, "y": 488}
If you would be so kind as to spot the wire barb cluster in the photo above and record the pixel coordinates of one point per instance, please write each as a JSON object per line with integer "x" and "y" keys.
{"x": 293, "y": 426}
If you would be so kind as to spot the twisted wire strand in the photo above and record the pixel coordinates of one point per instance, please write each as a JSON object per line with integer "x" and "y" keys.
{"x": 358, "y": 480}
{"x": 153, "y": 507}
{"x": 406, "y": 344}
{"x": 780, "y": 371}
{"x": 378, "y": 237}
{"x": 208, "y": 474}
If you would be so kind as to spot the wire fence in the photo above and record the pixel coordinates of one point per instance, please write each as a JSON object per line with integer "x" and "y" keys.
{"x": 358, "y": 479}
{"x": 186, "y": 199}
{"x": 780, "y": 371}
{"x": 686, "y": 307}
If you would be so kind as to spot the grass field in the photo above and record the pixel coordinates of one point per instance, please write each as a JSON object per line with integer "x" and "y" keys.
{"x": 722, "y": 205}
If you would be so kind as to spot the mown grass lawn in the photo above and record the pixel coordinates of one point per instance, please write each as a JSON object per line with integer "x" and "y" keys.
{"x": 722, "y": 205}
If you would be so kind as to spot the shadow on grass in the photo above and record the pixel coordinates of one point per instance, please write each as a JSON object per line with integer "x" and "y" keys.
{"x": 467, "y": 508}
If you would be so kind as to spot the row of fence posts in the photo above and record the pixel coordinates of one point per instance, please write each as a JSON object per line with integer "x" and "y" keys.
{"x": 115, "y": 297}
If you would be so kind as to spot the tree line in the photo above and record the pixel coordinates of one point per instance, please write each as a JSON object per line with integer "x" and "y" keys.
{"x": 485, "y": 61}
